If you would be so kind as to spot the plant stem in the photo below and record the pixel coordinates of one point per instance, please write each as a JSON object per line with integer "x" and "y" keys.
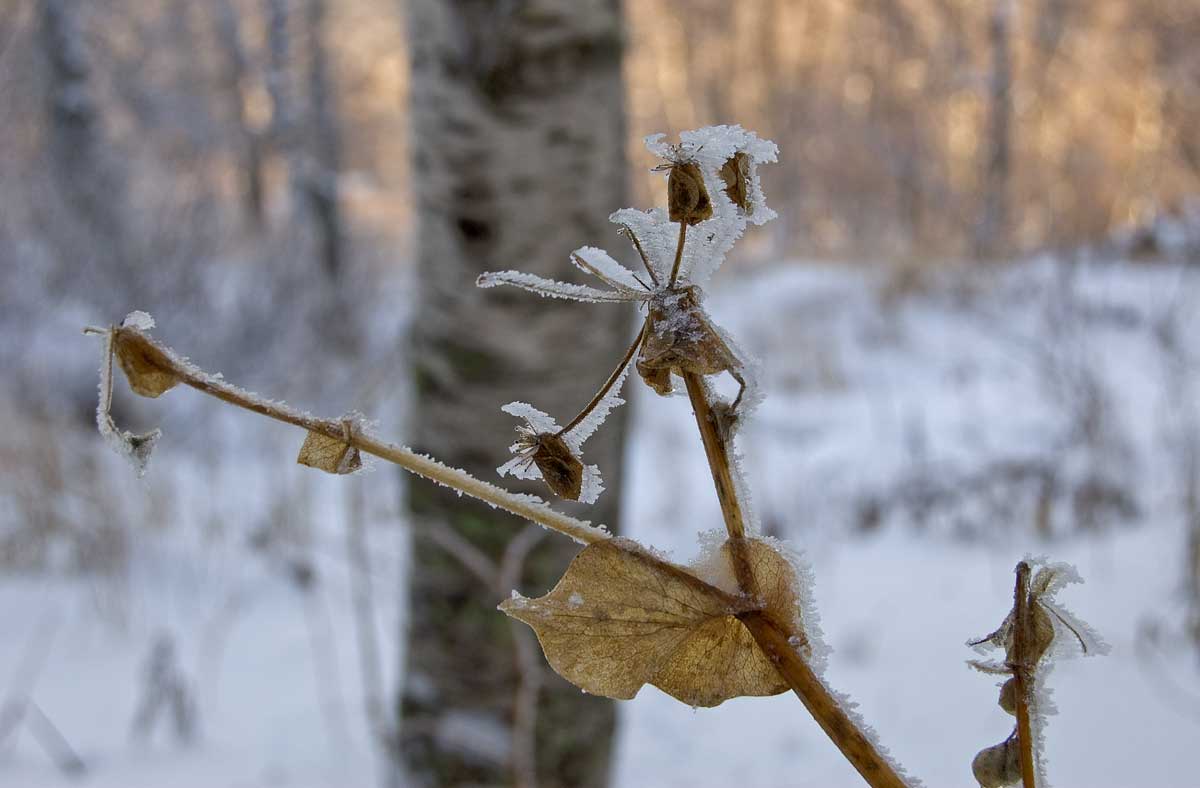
{"x": 525, "y": 506}
{"x": 1023, "y": 674}
{"x": 678, "y": 254}
{"x": 773, "y": 638}
{"x": 717, "y": 452}
{"x": 823, "y": 706}
{"x": 608, "y": 384}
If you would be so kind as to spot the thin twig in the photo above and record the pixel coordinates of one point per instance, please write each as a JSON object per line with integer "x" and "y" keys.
{"x": 363, "y": 599}
{"x": 528, "y": 660}
{"x": 608, "y": 384}
{"x": 1023, "y": 674}
{"x": 525, "y": 506}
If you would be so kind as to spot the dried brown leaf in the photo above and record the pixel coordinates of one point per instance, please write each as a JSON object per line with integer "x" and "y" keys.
{"x": 332, "y": 455}
{"x": 146, "y": 366}
{"x": 620, "y": 618}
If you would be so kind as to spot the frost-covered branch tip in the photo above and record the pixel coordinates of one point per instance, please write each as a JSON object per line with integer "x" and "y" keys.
{"x": 1036, "y": 631}
{"x": 332, "y": 445}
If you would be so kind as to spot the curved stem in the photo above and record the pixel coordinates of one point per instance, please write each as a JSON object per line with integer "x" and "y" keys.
{"x": 608, "y": 384}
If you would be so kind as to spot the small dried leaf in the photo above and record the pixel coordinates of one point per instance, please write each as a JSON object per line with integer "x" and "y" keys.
{"x": 620, "y": 618}
{"x": 680, "y": 338}
{"x": 736, "y": 175}
{"x": 687, "y": 197}
{"x": 561, "y": 469}
{"x": 332, "y": 455}
{"x": 998, "y": 765}
{"x": 145, "y": 364}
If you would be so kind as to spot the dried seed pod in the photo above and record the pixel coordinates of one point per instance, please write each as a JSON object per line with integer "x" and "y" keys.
{"x": 1008, "y": 696}
{"x": 736, "y": 175}
{"x": 998, "y": 765}
{"x": 561, "y": 469}
{"x": 146, "y": 367}
{"x": 678, "y": 336}
{"x": 1042, "y": 635}
{"x": 687, "y": 197}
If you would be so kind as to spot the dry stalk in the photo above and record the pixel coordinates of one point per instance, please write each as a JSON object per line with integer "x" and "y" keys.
{"x": 775, "y": 639}
{"x": 1023, "y": 674}
{"x": 524, "y": 506}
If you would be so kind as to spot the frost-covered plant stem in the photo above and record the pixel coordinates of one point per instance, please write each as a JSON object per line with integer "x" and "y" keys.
{"x": 820, "y": 702}
{"x": 524, "y": 506}
{"x": 772, "y": 636}
{"x": 1023, "y": 675}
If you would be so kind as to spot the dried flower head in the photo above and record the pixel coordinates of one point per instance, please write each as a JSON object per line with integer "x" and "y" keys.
{"x": 687, "y": 195}
{"x": 728, "y": 159}
{"x": 679, "y": 338}
{"x": 546, "y": 451}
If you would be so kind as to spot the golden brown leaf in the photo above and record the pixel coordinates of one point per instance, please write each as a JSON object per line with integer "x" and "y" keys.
{"x": 145, "y": 365}
{"x": 332, "y": 455}
{"x": 620, "y": 618}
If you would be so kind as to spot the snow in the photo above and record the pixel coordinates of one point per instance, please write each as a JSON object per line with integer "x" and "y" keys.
{"x": 884, "y": 424}
{"x": 847, "y": 379}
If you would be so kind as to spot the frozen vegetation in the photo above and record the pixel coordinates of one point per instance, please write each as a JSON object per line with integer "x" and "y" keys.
{"x": 918, "y": 435}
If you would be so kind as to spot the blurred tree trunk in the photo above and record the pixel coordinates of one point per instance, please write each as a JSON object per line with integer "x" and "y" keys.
{"x": 282, "y": 130}
{"x": 82, "y": 171}
{"x": 320, "y": 172}
{"x": 248, "y": 141}
{"x": 518, "y": 150}
{"x": 993, "y": 232}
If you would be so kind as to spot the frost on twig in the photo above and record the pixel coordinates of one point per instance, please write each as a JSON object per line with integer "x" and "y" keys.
{"x": 136, "y": 447}
{"x": 152, "y": 368}
{"x": 1036, "y": 631}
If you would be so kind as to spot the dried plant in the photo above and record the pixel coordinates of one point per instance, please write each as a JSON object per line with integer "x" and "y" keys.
{"x": 736, "y": 622}
{"x": 1035, "y": 631}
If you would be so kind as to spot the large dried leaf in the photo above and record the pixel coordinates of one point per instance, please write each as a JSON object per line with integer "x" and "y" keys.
{"x": 331, "y": 455}
{"x": 620, "y": 618}
{"x": 146, "y": 366}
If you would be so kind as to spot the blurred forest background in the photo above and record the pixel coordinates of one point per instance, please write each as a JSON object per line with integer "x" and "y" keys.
{"x": 242, "y": 169}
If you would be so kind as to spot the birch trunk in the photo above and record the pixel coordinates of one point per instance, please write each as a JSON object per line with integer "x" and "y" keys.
{"x": 993, "y": 236}
{"x": 517, "y": 112}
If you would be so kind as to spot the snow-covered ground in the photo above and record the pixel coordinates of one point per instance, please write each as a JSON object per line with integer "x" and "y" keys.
{"x": 908, "y": 444}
